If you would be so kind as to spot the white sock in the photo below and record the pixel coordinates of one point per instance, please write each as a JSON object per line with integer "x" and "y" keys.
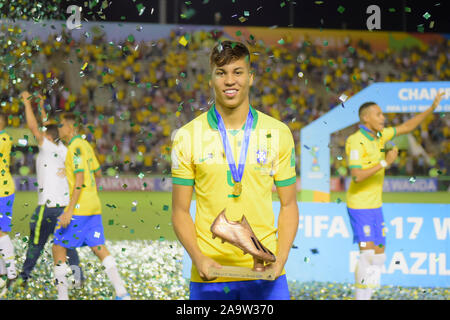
{"x": 2, "y": 266}
{"x": 377, "y": 264}
{"x": 113, "y": 274}
{"x": 61, "y": 272}
{"x": 363, "y": 292}
{"x": 7, "y": 252}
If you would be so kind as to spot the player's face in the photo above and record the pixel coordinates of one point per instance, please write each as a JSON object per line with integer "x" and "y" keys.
{"x": 231, "y": 83}
{"x": 375, "y": 118}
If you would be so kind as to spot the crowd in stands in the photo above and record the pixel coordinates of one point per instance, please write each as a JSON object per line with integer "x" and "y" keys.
{"x": 132, "y": 95}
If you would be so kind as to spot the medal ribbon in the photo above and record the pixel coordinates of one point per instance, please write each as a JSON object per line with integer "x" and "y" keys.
{"x": 239, "y": 172}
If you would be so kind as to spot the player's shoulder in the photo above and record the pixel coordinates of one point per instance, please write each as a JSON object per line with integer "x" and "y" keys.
{"x": 267, "y": 122}
{"x": 199, "y": 122}
{"x": 78, "y": 144}
{"x": 4, "y": 136}
{"x": 354, "y": 137}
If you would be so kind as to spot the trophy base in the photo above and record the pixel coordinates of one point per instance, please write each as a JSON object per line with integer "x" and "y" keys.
{"x": 241, "y": 272}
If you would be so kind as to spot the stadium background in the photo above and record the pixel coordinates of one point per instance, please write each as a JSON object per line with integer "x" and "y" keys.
{"x": 134, "y": 83}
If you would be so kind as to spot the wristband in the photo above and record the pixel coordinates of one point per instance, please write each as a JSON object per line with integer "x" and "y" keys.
{"x": 383, "y": 163}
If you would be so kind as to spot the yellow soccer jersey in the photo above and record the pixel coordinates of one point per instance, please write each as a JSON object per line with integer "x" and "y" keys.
{"x": 363, "y": 151}
{"x": 198, "y": 159}
{"x": 7, "y": 187}
{"x": 81, "y": 158}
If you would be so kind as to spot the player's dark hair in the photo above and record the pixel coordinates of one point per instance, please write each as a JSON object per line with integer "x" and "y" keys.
{"x": 364, "y": 107}
{"x": 228, "y": 51}
{"x": 72, "y": 117}
{"x": 52, "y": 130}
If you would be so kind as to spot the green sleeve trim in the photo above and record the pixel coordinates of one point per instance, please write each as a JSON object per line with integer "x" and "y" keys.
{"x": 395, "y": 132}
{"x": 96, "y": 169}
{"x": 358, "y": 167}
{"x": 183, "y": 182}
{"x": 285, "y": 183}
{"x": 78, "y": 170}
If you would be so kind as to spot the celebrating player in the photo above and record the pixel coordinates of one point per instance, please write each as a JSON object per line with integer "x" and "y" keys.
{"x": 53, "y": 190}
{"x": 367, "y": 161}
{"x": 7, "y": 189}
{"x": 204, "y": 155}
{"x": 81, "y": 222}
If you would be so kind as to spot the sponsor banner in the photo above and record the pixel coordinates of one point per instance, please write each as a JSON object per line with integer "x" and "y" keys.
{"x": 25, "y": 183}
{"x": 417, "y": 245}
{"x": 125, "y": 184}
{"x": 165, "y": 184}
{"x": 406, "y": 185}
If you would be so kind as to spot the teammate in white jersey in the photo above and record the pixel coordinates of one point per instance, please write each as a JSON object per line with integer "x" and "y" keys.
{"x": 53, "y": 189}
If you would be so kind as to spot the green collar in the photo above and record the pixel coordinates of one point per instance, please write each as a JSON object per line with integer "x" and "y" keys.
{"x": 365, "y": 133}
{"x": 75, "y": 137}
{"x": 212, "y": 119}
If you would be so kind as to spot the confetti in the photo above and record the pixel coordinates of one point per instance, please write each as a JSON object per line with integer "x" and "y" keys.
{"x": 343, "y": 97}
{"x": 426, "y": 15}
{"x": 183, "y": 41}
{"x": 226, "y": 289}
{"x": 341, "y": 9}
{"x": 412, "y": 180}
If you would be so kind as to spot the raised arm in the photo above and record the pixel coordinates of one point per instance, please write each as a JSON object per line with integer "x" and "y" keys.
{"x": 412, "y": 123}
{"x": 30, "y": 117}
{"x": 41, "y": 110}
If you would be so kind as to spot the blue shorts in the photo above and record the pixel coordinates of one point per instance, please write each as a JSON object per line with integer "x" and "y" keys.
{"x": 368, "y": 225}
{"x": 82, "y": 231}
{"x": 6, "y": 207}
{"x": 241, "y": 290}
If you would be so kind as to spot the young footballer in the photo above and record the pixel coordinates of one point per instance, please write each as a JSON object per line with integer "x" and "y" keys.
{"x": 81, "y": 222}
{"x": 232, "y": 155}
{"x": 53, "y": 189}
{"x": 365, "y": 150}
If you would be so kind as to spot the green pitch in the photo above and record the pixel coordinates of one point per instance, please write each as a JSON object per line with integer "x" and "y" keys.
{"x": 147, "y": 215}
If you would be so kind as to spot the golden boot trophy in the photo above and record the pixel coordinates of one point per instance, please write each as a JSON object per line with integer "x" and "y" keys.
{"x": 240, "y": 234}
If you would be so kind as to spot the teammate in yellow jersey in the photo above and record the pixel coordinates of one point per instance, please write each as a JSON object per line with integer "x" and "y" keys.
{"x": 200, "y": 160}
{"x": 367, "y": 159}
{"x": 81, "y": 222}
{"x": 7, "y": 189}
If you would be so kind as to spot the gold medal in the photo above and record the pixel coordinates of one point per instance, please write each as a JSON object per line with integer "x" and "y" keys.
{"x": 237, "y": 189}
